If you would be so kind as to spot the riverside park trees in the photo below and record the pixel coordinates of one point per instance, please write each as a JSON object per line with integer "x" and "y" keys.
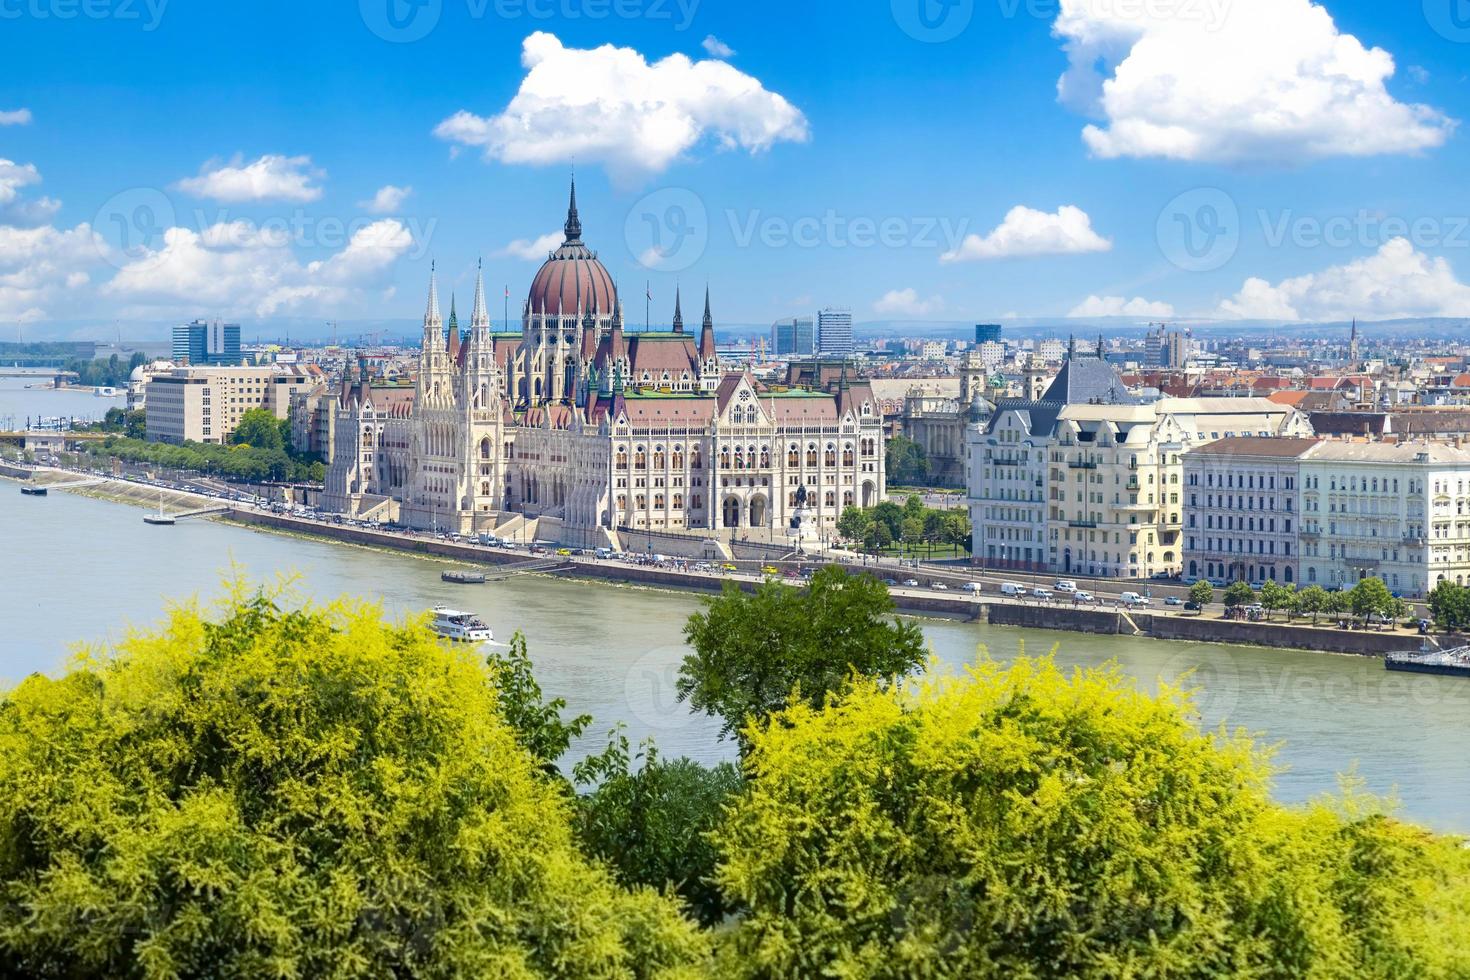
{"x": 269, "y": 791}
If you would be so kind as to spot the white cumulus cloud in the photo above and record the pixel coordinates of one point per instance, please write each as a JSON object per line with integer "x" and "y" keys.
{"x": 236, "y": 268}
{"x": 387, "y": 200}
{"x": 717, "y": 48}
{"x": 612, "y": 105}
{"x": 1094, "y": 306}
{"x": 14, "y": 208}
{"x": 38, "y": 266}
{"x": 1395, "y": 282}
{"x": 532, "y": 249}
{"x": 1026, "y": 231}
{"x": 1232, "y": 81}
{"x": 270, "y": 178}
{"x": 15, "y": 117}
{"x": 907, "y": 302}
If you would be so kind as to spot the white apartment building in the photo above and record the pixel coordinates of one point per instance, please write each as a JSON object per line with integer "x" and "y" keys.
{"x": 204, "y": 404}
{"x": 1087, "y": 480}
{"x": 1241, "y": 518}
{"x": 1398, "y": 512}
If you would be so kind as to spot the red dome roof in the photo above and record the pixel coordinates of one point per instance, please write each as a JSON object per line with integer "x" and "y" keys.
{"x": 573, "y": 280}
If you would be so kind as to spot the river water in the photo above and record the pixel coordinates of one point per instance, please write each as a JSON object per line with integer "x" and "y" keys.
{"x": 77, "y": 569}
{"x": 18, "y": 402}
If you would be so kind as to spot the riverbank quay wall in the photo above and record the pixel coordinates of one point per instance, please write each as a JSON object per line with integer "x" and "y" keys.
{"x": 1200, "y": 629}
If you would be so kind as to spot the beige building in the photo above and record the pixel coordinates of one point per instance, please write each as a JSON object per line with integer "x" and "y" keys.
{"x": 204, "y": 404}
{"x": 1088, "y": 480}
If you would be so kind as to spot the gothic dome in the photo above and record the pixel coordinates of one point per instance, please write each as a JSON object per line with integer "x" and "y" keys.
{"x": 572, "y": 280}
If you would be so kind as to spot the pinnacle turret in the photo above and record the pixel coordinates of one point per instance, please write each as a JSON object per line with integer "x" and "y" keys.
{"x": 573, "y": 226}
{"x": 678, "y": 313}
{"x": 479, "y": 316}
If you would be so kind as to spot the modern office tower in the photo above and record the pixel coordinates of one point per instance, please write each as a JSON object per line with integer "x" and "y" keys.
{"x": 202, "y": 343}
{"x": 987, "y": 333}
{"x": 834, "y": 332}
{"x": 794, "y": 336}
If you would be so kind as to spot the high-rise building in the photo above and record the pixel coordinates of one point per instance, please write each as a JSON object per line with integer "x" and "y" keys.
{"x": 834, "y": 332}
{"x": 202, "y": 343}
{"x": 987, "y": 333}
{"x": 795, "y": 336}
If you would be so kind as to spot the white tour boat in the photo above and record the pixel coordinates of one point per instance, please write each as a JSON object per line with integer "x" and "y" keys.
{"x": 462, "y": 627}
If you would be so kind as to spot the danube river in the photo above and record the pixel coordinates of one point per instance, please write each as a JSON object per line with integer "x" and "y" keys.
{"x": 77, "y": 569}
{"x": 19, "y": 402}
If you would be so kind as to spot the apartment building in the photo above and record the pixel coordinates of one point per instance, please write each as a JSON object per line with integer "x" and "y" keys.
{"x": 1399, "y": 512}
{"x": 204, "y": 404}
{"x": 1088, "y": 479}
{"x": 1241, "y": 518}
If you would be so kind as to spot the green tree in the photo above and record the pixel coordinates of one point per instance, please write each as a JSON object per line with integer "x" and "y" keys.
{"x": 1019, "y": 822}
{"x": 1239, "y": 594}
{"x": 538, "y": 723}
{"x": 1370, "y": 597}
{"x": 958, "y": 530}
{"x": 754, "y": 652}
{"x": 1336, "y": 603}
{"x": 906, "y": 462}
{"x": 1202, "y": 592}
{"x": 1313, "y": 600}
{"x": 1449, "y": 605}
{"x": 890, "y": 515}
{"x": 304, "y": 793}
{"x": 913, "y": 531}
{"x": 260, "y": 429}
{"x": 651, "y": 822}
{"x": 1275, "y": 596}
{"x": 135, "y": 426}
{"x": 855, "y": 524}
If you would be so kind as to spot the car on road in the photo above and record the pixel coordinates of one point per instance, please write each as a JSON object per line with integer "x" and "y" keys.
{"x": 911, "y": 583}
{"x": 974, "y": 587}
{"x": 770, "y": 570}
{"x": 1192, "y": 606}
{"x": 939, "y": 586}
{"x": 1013, "y": 589}
{"x": 1173, "y": 601}
{"x": 1043, "y": 594}
{"x": 1081, "y": 596}
{"x": 890, "y": 582}
{"x": 1065, "y": 585}
{"x": 1132, "y": 599}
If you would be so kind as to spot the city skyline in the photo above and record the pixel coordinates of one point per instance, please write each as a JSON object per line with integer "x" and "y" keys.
{"x": 335, "y": 179}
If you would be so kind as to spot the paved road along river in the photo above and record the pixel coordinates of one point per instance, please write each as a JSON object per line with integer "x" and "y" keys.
{"x": 76, "y": 569}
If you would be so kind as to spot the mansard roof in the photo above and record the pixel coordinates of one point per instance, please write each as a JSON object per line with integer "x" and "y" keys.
{"x": 1091, "y": 380}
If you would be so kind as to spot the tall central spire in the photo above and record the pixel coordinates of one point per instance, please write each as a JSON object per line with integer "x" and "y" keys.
{"x": 573, "y": 227}
{"x": 678, "y": 313}
{"x": 479, "y": 315}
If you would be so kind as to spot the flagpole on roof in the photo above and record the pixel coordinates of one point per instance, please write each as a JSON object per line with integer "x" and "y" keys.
{"x": 647, "y": 304}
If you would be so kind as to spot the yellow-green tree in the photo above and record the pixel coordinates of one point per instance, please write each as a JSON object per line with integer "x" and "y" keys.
{"x": 308, "y": 793}
{"x": 1022, "y": 823}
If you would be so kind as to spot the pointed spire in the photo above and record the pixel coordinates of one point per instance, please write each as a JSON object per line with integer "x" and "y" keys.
{"x": 431, "y": 315}
{"x": 573, "y": 227}
{"x": 1071, "y": 346}
{"x": 1100, "y": 347}
{"x": 453, "y": 317}
{"x": 479, "y": 315}
{"x": 707, "y": 331}
{"x": 678, "y": 313}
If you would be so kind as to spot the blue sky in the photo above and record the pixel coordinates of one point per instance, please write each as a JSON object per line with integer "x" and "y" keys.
{"x": 823, "y": 154}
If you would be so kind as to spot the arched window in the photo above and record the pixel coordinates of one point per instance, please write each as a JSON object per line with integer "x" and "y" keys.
{"x": 847, "y": 458}
{"x": 640, "y": 459}
{"x": 765, "y": 457}
{"x": 658, "y": 457}
{"x": 725, "y": 458}
{"x": 696, "y": 461}
{"x": 830, "y": 456}
{"x": 678, "y": 458}
{"x": 811, "y": 454}
{"x": 622, "y": 459}
{"x": 793, "y": 456}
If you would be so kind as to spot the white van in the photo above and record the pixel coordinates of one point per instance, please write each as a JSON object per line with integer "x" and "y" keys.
{"x": 1013, "y": 589}
{"x": 1065, "y": 585}
{"x": 1132, "y": 599}
{"x": 973, "y": 587}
